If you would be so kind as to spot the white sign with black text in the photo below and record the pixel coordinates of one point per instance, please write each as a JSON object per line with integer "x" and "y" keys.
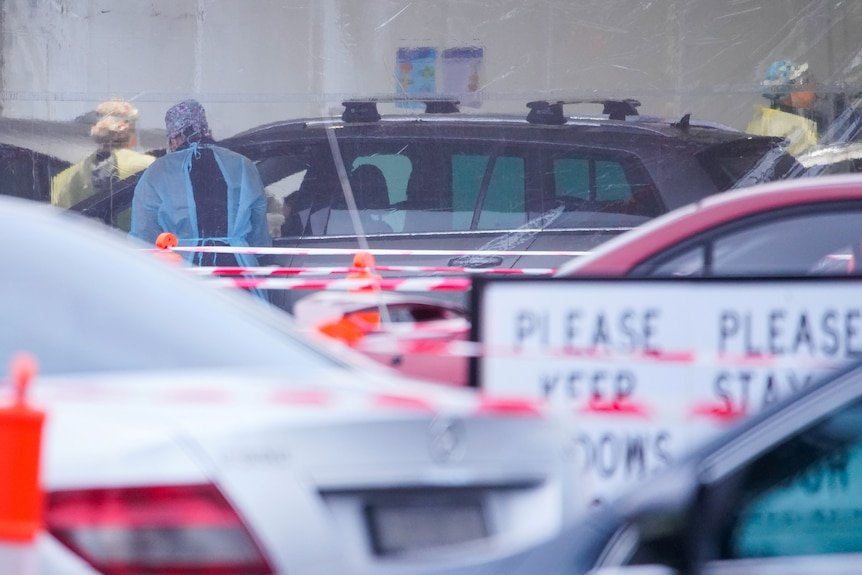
{"x": 644, "y": 369}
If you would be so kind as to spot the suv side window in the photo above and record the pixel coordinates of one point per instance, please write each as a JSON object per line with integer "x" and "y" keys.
{"x": 396, "y": 170}
{"x": 587, "y": 185}
{"x": 503, "y": 204}
{"x": 572, "y": 177}
{"x": 468, "y": 172}
{"x": 803, "y": 497}
{"x": 455, "y": 186}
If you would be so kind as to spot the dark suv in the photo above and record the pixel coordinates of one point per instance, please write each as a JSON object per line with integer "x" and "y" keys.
{"x": 443, "y": 179}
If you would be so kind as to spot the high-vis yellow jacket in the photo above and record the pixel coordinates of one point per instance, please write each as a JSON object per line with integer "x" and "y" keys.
{"x": 800, "y": 132}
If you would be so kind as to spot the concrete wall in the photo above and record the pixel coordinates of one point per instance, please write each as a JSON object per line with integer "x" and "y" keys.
{"x": 254, "y": 61}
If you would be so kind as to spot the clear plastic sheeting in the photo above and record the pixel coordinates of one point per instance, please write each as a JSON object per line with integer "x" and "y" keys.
{"x": 339, "y": 150}
{"x": 701, "y": 75}
{"x": 258, "y": 61}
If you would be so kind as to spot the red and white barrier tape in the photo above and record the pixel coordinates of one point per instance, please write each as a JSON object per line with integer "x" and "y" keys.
{"x": 428, "y": 346}
{"x": 385, "y": 284}
{"x": 281, "y": 397}
{"x": 270, "y": 271}
{"x": 461, "y": 348}
{"x": 380, "y": 252}
{"x": 433, "y": 346}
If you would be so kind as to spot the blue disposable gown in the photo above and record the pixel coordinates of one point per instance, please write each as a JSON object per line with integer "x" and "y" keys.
{"x": 164, "y": 202}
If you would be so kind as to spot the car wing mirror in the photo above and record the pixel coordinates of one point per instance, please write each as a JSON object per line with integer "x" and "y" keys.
{"x": 659, "y": 513}
{"x": 665, "y": 499}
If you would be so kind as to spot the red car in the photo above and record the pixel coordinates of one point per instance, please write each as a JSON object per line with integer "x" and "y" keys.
{"x": 417, "y": 336}
{"x": 793, "y": 227}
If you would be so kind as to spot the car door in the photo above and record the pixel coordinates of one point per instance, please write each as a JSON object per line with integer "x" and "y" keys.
{"x": 783, "y": 495}
{"x": 787, "y": 496}
{"x": 586, "y": 197}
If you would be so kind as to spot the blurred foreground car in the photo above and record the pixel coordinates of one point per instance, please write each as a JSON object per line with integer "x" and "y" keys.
{"x": 779, "y": 493}
{"x": 795, "y": 227}
{"x": 191, "y": 430}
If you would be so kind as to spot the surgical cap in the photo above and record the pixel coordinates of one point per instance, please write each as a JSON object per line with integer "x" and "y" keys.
{"x": 187, "y": 114}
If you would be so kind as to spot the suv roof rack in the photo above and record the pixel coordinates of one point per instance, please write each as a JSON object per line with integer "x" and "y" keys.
{"x": 365, "y": 109}
{"x": 551, "y": 113}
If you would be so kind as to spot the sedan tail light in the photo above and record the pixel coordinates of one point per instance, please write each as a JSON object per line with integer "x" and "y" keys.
{"x": 163, "y": 530}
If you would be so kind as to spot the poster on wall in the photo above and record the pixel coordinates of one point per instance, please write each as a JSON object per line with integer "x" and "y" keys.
{"x": 416, "y": 73}
{"x": 460, "y": 70}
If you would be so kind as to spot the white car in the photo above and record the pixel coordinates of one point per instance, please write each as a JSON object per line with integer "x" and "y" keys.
{"x": 191, "y": 430}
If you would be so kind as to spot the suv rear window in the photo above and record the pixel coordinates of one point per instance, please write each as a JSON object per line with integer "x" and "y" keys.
{"x": 729, "y": 162}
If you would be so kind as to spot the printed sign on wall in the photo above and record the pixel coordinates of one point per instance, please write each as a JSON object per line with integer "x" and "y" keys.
{"x": 459, "y": 68}
{"x": 461, "y": 71}
{"x": 417, "y": 71}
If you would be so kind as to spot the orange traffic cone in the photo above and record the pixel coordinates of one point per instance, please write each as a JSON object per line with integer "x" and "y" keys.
{"x": 363, "y": 266}
{"x": 352, "y": 327}
{"x": 165, "y": 242}
{"x": 20, "y": 442}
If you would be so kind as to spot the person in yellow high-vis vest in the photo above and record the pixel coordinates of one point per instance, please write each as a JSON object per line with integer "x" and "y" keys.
{"x": 114, "y": 160}
{"x": 791, "y": 112}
